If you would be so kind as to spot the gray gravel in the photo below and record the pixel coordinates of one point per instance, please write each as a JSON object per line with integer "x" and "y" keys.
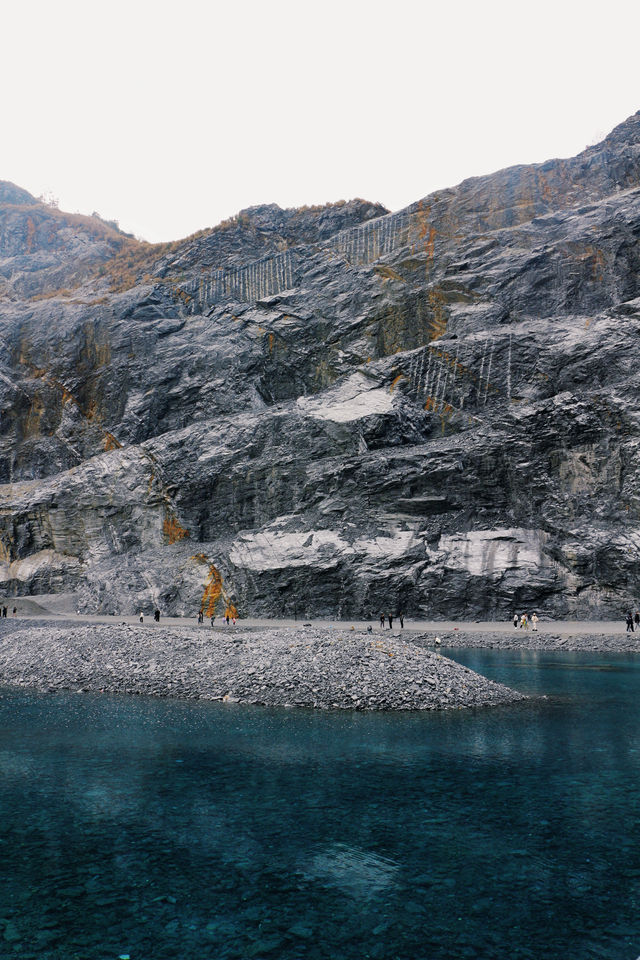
{"x": 518, "y": 639}
{"x": 281, "y": 667}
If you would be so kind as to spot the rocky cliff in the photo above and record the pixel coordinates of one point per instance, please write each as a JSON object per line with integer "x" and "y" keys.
{"x": 332, "y": 411}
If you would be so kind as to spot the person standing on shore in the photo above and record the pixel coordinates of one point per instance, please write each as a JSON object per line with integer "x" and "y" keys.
{"x": 629, "y": 622}
{"x": 390, "y": 621}
{"x": 200, "y": 617}
{"x": 141, "y": 615}
{"x": 515, "y": 620}
{"x": 534, "y": 622}
{"x": 401, "y": 619}
{"x": 382, "y": 620}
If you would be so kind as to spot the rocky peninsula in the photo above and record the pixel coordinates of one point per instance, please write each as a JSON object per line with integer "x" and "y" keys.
{"x": 311, "y": 667}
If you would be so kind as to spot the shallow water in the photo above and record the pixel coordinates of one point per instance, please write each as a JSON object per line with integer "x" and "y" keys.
{"x": 160, "y": 829}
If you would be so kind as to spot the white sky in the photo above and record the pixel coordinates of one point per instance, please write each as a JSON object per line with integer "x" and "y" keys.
{"x": 171, "y": 116}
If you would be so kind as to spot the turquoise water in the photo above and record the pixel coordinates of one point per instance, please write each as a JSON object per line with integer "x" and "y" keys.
{"x": 158, "y": 829}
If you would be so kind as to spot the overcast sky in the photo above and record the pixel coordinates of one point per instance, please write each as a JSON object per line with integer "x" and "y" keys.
{"x": 171, "y": 116}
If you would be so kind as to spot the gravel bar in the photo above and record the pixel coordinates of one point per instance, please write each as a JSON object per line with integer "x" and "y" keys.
{"x": 329, "y": 670}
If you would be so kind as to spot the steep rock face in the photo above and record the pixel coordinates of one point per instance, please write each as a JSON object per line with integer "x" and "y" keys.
{"x": 336, "y": 411}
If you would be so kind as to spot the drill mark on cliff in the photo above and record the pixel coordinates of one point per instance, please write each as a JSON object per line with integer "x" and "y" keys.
{"x": 427, "y": 377}
{"x": 249, "y": 283}
{"x": 372, "y": 240}
{"x": 436, "y": 379}
{"x": 426, "y": 234}
{"x": 488, "y": 384}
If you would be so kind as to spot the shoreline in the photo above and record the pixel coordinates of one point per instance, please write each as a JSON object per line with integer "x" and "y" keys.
{"x": 328, "y": 668}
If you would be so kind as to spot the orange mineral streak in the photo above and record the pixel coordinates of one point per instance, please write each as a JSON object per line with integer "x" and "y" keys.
{"x": 394, "y": 381}
{"x": 437, "y": 302}
{"x": 384, "y": 270}
{"x": 110, "y": 442}
{"x": 31, "y": 233}
{"x": 212, "y": 592}
{"x": 172, "y": 529}
{"x": 89, "y": 413}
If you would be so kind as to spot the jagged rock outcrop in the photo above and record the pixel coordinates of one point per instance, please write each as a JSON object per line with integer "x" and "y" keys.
{"x": 333, "y": 411}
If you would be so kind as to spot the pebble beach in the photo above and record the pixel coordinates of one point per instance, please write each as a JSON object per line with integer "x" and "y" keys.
{"x": 314, "y": 666}
{"x": 309, "y": 667}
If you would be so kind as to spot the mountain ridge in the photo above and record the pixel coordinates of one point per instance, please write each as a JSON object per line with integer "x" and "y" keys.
{"x": 338, "y": 410}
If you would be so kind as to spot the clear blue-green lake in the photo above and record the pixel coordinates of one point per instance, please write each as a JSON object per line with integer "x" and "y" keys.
{"x": 159, "y": 829}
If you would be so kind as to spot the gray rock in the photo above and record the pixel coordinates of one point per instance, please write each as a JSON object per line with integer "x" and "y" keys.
{"x": 315, "y": 674}
{"x": 331, "y": 411}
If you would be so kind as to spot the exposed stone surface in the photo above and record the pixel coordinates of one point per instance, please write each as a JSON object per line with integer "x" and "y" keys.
{"x": 355, "y": 671}
{"x": 524, "y": 640}
{"x": 335, "y": 410}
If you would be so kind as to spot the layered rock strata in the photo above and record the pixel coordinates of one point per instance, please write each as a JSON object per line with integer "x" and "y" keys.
{"x": 332, "y": 411}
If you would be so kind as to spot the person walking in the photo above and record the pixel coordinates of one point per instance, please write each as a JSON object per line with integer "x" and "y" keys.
{"x": 213, "y": 617}
{"x": 382, "y": 620}
{"x": 200, "y": 617}
{"x": 629, "y": 622}
{"x": 156, "y": 615}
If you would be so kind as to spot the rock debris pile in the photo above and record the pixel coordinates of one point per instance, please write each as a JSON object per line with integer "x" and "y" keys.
{"x": 321, "y": 669}
{"x": 621, "y": 642}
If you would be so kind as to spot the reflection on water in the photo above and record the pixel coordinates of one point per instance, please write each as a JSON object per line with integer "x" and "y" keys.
{"x": 161, "y": 829}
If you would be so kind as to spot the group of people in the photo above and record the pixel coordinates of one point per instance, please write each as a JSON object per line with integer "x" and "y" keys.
{"x": 156, "y": 616}
{"x": 226, "y": 619}
{"x": 5, "y": 611}
{"x": 389, "y": 617}
{"x": 631, "y": 620}
{"x": 524, "y": 620}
